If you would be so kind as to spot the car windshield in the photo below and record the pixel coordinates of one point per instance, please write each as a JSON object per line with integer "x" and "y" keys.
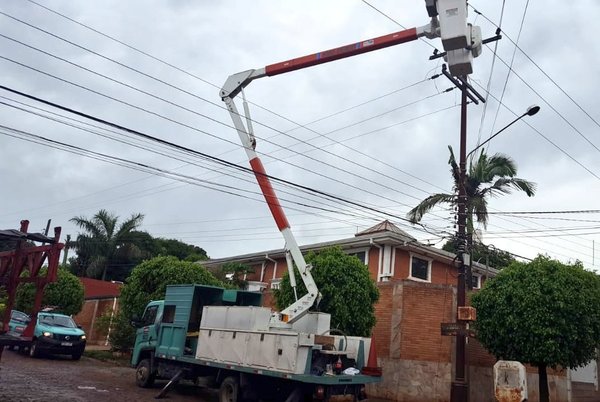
{"x": 57, "y": 321}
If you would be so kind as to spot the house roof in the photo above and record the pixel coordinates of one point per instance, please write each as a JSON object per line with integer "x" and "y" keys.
{"x": 385, "y": 226}
{"x": 383, "y": 233}
{"x": 96, "y": 289}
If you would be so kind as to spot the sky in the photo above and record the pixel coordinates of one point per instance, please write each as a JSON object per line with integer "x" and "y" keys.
{"x": 372, "y": 129}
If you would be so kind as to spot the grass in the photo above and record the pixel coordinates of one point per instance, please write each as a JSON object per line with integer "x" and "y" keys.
{"x": 107, "y": 356}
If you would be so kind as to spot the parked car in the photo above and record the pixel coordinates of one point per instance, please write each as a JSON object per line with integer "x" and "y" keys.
{"x": 57, "y": 334}
{"x": 18, "y": 322}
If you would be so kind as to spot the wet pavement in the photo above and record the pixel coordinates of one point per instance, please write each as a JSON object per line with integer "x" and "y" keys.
{"x": 60, "y": 379}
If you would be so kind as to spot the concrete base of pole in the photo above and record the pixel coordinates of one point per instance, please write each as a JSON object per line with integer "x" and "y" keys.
{"x": 459, "y": 392}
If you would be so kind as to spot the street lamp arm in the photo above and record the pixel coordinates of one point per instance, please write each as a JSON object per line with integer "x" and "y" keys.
{"x": 530, "y": 112}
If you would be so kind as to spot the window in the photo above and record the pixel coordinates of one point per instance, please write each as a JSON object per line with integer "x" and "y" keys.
{"x": 361, "y": 255}
{"x": 149, "y": 315}
{"x": 169, "y": 314}
{"x": 476, "y": 281}
{"x": 275, "y": 283}
{"x": 420, "y": 268}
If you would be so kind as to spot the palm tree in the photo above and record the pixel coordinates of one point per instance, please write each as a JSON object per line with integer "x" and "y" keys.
{"x": 487, "y": 177}
{"x": 102, "y": 241}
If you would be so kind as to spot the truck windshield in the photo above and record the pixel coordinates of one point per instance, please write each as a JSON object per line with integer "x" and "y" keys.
{"x": 57, "y": 321}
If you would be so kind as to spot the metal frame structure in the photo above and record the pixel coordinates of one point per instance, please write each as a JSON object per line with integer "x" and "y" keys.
{"x": 30, "y": 260}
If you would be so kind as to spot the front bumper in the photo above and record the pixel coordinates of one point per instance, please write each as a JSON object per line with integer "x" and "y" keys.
{"x": 51, "y": 345}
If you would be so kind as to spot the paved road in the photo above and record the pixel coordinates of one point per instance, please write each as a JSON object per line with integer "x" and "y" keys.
{"x": 59, "y": 379}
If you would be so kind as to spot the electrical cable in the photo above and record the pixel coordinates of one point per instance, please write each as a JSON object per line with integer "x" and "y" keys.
{"x": 512, "y": 60}
{"x": 198, "y": 153}
{"x": 542, "y": 71}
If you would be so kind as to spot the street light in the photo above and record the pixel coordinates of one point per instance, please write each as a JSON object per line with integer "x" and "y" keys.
{"x": 459, "y": 388}
{"x": 531, "y": 110}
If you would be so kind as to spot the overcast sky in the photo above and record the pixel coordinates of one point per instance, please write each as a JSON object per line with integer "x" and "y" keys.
{"x": 373, "y": 129}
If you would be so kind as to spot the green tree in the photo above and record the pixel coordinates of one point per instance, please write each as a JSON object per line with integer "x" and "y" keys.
{"x": 544, "y": 313}
{"x": 103, "y": 242}
{"x": 232, "y": 273}
{"x": 148, "y": 281}
{"x": 66, "y": 294}
{"x": 486, "y": 177}
{"x": 349, "y": 293}
{"x": 179, "y": 249}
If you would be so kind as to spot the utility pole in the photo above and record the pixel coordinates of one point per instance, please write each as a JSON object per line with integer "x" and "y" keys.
{"x": 460, "y": 388}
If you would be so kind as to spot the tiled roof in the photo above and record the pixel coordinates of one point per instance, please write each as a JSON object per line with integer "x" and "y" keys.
{"x": 385, "y": 226}
{"x": 96, "y": 289}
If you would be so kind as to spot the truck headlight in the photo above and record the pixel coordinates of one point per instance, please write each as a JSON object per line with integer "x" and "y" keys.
{"x": 47, "y": 334}
{"x": 83, "y": 338}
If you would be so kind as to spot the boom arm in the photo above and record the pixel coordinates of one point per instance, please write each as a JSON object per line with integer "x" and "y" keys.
{"x": 235, "y": 84}
{"x": 455, "y": 35}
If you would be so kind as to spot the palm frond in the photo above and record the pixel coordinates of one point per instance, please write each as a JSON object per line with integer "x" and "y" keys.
{"x": 129, "y": 225}
{"x": 108, "y": 222}
{"x": 416, "y": 214}
{"x": 499, "y": 166}
{"x": 479, "y": 209}
{"x": 87, "y": 225}
{"x": 506, "y": 185}
{"x": 454, "y": 168}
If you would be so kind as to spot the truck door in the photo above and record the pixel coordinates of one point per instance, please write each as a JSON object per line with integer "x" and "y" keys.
{"x": 148, "y": 329}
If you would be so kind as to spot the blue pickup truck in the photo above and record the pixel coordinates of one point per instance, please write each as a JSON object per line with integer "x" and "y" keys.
{"x": 53, "y": 334}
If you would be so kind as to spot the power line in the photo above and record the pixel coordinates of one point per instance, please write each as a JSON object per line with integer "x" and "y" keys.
{"x": 512, "y": 60}
{"x": 131, "y": 47}
{"x": 579, "y": 211}
{"x": 541, "y": 134}
{"x": 198, "y": 153}
{"x": 542, "y": 70}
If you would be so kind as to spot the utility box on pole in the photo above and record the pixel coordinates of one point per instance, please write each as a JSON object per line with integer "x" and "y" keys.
{"x": 510, "y": 381}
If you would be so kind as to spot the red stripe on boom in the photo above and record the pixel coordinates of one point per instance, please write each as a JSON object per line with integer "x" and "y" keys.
{"x": 341, "y": 52}
{"x": 269, "y": 194}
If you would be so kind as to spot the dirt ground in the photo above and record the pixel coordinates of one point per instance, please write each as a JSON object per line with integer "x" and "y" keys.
{"x": 59, "y": 379}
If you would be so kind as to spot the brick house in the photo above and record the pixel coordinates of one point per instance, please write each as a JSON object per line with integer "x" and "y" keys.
{"x": 99, "y": 297}
{"x": 417, "y": 285}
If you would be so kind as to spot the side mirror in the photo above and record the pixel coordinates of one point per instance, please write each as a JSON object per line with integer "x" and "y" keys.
{"x": 79, "y": 326}
{"x": 135, "y": 321}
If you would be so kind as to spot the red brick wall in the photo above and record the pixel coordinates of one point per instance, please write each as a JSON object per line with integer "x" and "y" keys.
{"x": 424, "y": 308}
{"x": 85, "y": 318}
{"x": 373, "y": 263}
{"x": 401, "y": 265}
{"x": 383, "y": 311}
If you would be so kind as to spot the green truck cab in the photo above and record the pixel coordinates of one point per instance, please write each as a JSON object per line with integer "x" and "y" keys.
{"x": 221, "y": 338}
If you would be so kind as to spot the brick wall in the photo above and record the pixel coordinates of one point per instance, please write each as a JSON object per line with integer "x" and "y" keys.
{"x": 87, "y": 319}
{"x": 424, "y": 308}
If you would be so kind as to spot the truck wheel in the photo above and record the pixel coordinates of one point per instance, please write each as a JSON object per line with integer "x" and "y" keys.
{"x": 33, "y": 350}
{"x": 144, "y": 378}
{"x": 229, "y": 390}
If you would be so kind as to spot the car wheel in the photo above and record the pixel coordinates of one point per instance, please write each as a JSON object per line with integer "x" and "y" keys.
{"x": 229, "y": 390}
{"x": 144, "y": 378}
{"x": 76, "y": 355}
{"x": 33, "y": 349}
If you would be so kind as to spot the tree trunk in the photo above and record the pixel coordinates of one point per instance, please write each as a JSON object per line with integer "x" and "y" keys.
{"x": 543, "y": 382}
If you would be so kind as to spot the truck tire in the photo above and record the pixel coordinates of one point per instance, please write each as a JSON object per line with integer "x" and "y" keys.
{"x": 144, "y": 378}
{"x": 33, "y": 349}
{"x": 229, "y": 390}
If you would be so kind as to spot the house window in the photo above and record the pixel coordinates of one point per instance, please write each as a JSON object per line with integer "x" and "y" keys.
{"x": 361, "y": 255}
{"x": 420, "y": 268}
{"x": 476, "y": 281}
